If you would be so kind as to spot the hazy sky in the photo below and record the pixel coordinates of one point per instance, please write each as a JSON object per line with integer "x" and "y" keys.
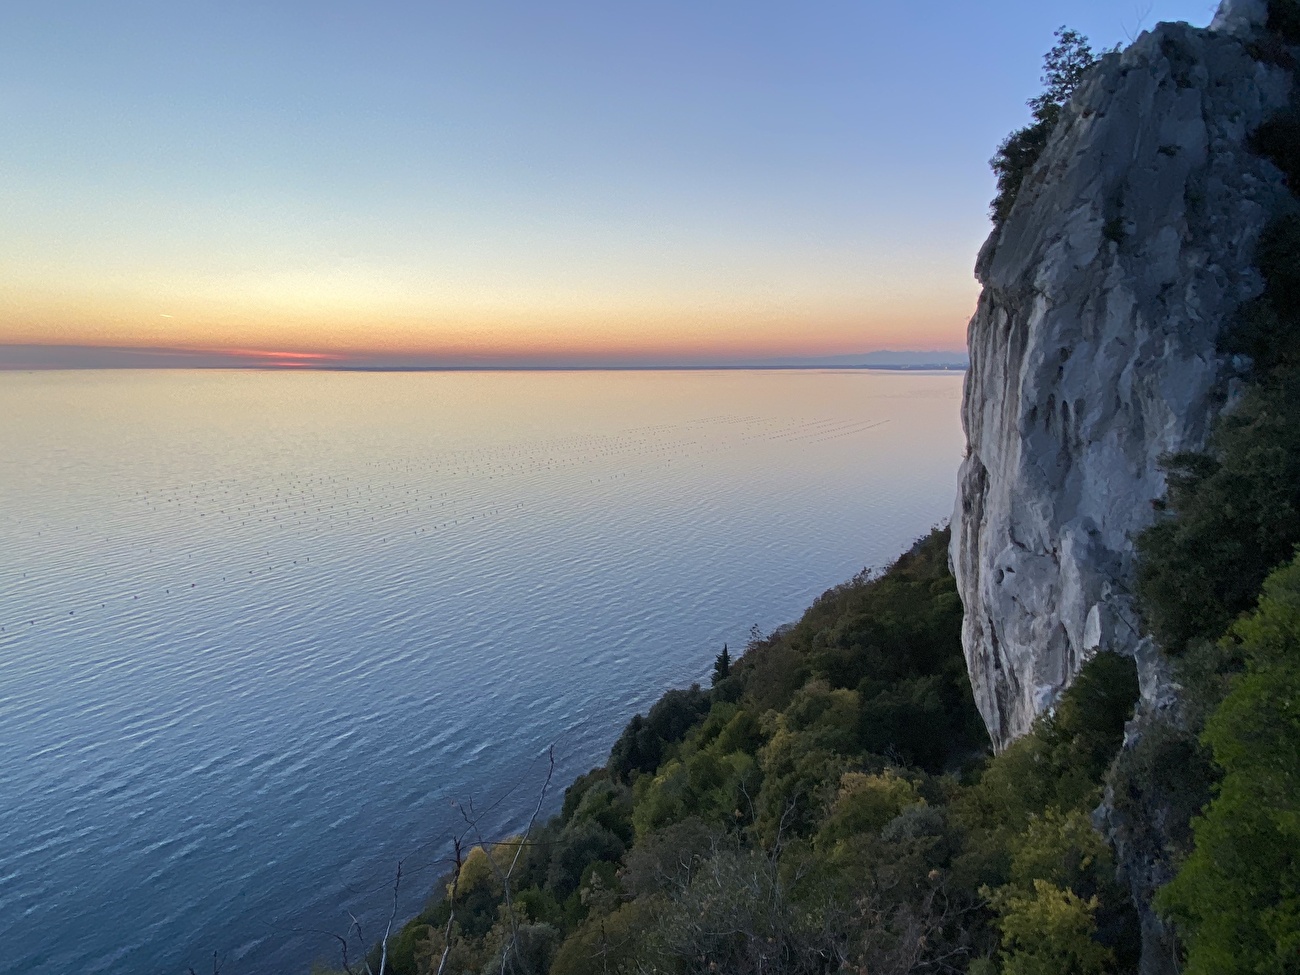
{"x": 480, "y": 177}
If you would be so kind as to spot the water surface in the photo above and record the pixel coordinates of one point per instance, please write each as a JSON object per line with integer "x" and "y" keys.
{"x": 261, "y": 630}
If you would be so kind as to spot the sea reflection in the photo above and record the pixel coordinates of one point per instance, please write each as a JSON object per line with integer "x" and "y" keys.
{"x": 260, "y": 629}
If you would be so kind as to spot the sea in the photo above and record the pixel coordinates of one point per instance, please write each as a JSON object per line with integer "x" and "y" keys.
{"x": 266, "y": 635}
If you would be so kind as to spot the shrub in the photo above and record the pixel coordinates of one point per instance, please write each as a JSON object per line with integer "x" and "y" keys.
{"x": 1059, "y": 765}
{"x": 865, "y": 804}
{"x": 1064, "y": 67}
{"x": 644, "y": 742}
{"x": 1015, "y": 157}
{"x": 1236, "y": 900}
{"x": 1267, "y": 329}
{"x": 580, "y": 845}
{"x": 1229, "y": 518}
{"x": 1050, "y": 932}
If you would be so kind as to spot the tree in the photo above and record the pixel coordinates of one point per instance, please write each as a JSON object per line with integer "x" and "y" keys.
{"x": 1235, "y": 899}
{"x": 1050, "y": 932}
{"x": 1064, "y": 67}
{"x": 722, "y": 666}
{"x": 1229, "y": 518}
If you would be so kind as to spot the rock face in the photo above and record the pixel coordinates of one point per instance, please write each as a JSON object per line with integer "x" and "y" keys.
{"x": 1093, "y": 351}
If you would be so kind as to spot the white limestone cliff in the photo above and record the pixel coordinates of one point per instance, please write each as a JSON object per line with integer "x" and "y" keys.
{"x": 1093, "y": 350}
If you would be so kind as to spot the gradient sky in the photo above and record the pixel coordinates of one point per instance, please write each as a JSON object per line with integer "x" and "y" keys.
{"x": 617, "y": 178}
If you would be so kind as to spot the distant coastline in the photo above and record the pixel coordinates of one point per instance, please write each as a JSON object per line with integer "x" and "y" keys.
{"x": 720, "y": 367}
{"x": 54, "y": 357}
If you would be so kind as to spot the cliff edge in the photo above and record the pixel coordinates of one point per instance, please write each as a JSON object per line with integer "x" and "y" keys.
{"x": 1094, "y": 350}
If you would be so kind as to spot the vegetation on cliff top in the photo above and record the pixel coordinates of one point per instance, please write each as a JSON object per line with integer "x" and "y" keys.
{"x": 1064, "y": 67}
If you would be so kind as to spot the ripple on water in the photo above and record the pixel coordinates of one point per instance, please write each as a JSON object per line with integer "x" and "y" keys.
{"x": 256, "y": 643}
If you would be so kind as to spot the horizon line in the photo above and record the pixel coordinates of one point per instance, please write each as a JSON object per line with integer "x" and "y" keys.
{"x": 30, "y": 357}
{"x": 606, "y": 367}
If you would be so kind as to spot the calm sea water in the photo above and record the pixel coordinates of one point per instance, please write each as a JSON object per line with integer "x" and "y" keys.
{"x": 261, "y": 630}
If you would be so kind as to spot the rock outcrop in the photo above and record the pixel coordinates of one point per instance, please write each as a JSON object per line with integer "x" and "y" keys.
{"x": 1094, "y": 350}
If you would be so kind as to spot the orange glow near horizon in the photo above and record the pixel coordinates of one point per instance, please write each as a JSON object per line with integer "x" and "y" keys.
{"x": 278, "y": 359}
{"x": 317, "y": 331}
{"x": 531, "y": 297}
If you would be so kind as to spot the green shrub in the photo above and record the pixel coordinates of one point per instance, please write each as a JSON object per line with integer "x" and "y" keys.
{"x": 645, "y": 741}
{"x": 1015, "y": 157}
{"x": 896, "y": 639}
{"x": 1159, "y": 783}
{"x": 605, "y": 944}
{"x": 1058, "y": 766}
{"x": 1267, "y": 329}
{"x": 580, "y": 845}
{"x": 1236, "y": 900}
{"x": 1050, "y": 932}
{"x": 865, "y": 804}
{"x": 1229, "y": 518}
{"x": 1064, "y": 67}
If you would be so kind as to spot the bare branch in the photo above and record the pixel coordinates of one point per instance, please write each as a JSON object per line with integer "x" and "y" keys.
{"x": 504, "y": 878}
{"x": 383, "y": 950}
{"x": 451, "y": 899}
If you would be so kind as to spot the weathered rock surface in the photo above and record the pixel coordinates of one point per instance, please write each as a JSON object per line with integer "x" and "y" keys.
{"x": 1093, "y": 351}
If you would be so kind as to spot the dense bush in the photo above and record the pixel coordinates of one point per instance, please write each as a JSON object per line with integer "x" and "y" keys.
{"x": 642, "y": 745}
{"x": 1237, "y": 897}
{"x": 1230, "y": 517}
{"x": 1015, "y": 157}
{"x": 810, "y": 818}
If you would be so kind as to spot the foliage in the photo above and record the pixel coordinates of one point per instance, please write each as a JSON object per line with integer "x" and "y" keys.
{"x": 1061, "y": 763}
{"x": 1267, "y": 330}
{"x": 721, "y": 666}
{"x": 1158, "y": 784}
{"x": 1278, "y": 140}
{"x": 1227, "y": 531}
{"x": 1064, "y": 67}
{"x": 1050, "y": 932}
{"x": 1013, "y": 160}
{"x": 1230, "y": 516}
{"x": 867, "y": 804}
{"x": 1237, "y": 897}
{"x": 1063, "y": 848}
{"x": 803, "y": 815}
{"x": 896, "y": 641}
{"x": 1055, "y": 771}
{"x": 644, "y": 742}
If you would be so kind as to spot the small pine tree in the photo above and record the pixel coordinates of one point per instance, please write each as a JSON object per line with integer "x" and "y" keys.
{"x": 721, "y": 666}
{"x": 1064, "y": 66}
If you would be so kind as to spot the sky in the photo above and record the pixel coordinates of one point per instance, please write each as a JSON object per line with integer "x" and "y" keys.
{"x": 484, "y": 181}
